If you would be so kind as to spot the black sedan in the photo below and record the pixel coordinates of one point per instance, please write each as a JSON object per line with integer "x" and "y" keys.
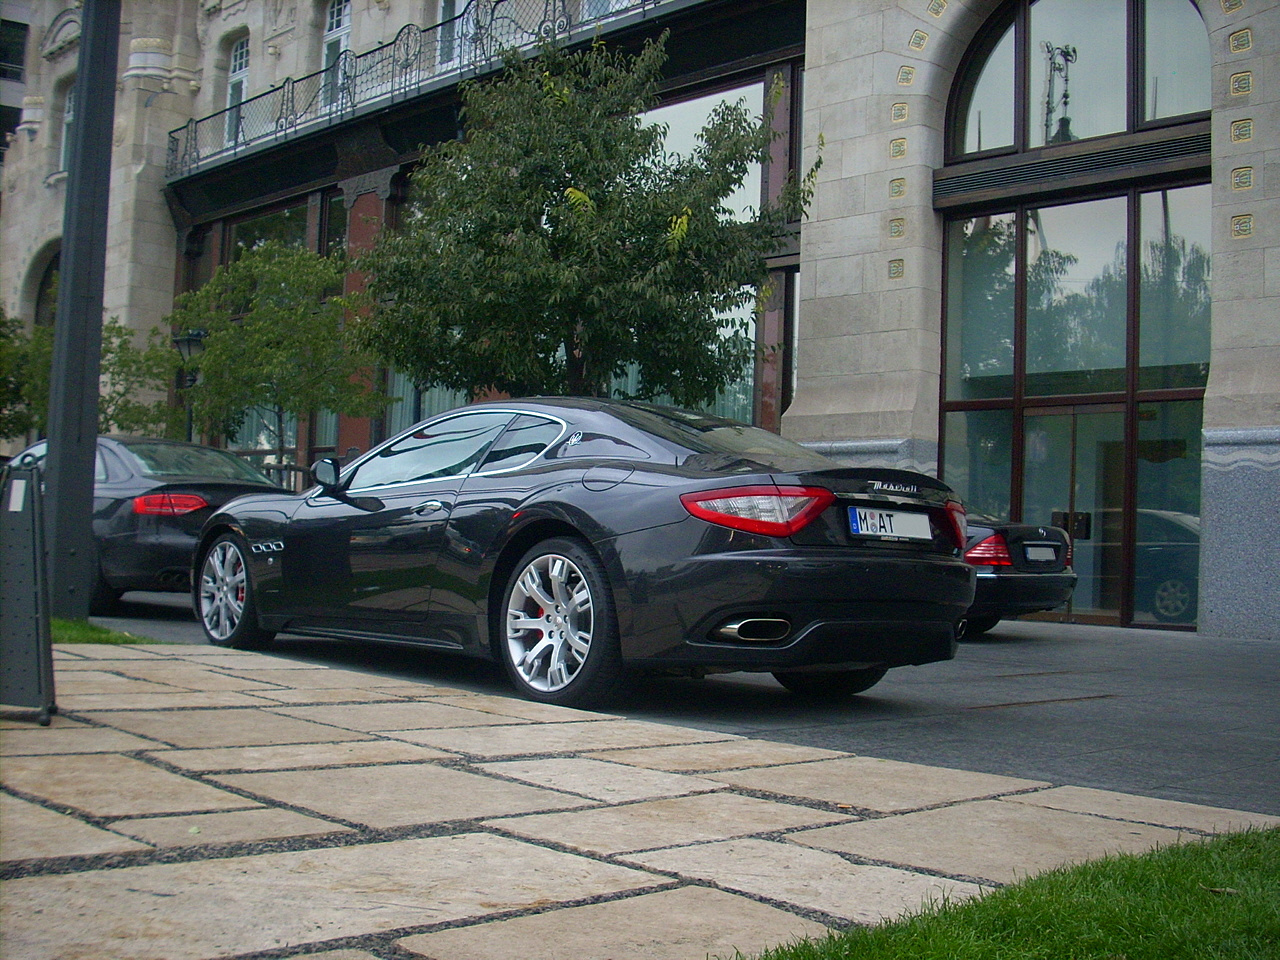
{"x": 1021, "y": 568}
{"x": 150, "y": 500}
{"x": 571, "y": 538}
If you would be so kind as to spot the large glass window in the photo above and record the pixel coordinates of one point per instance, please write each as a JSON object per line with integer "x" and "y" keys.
{"x": 1076, "y": 307}
{"x": 337, "y": 37}
{"x": 237, "y": 82}
{"x": 287, "y": 225}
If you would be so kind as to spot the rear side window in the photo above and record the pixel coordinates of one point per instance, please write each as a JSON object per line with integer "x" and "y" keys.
{"x": 179, "y": 460}
{"x": 525, "y": 439}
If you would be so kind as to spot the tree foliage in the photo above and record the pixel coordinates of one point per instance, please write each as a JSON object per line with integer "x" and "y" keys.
{"x": 133, "y": 392}
{"x": 557, "y": 244}
{"x": 274, "y": 337}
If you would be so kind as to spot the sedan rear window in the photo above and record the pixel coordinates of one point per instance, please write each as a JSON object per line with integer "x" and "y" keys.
{"x": 178, "y": 460}
{"x": 704, "y": 434}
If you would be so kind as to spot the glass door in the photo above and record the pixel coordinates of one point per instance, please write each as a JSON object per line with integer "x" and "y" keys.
{"x": 1073, "y": 477}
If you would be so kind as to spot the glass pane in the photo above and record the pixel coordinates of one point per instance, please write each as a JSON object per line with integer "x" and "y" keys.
{"x": 980, "y": 283}
{"x": 287, "y": 226}
{"x": 1167, "y": 552}
{"x": 988, "y": 122}
{"x": 1076, "y": 298}
{"x": 685, "y": 121}
{"x": 261, "y": 429}
{"x": 977, "y": 460}
{"x": 1175, "y": 305}
{"x": 1074, "y": 478}
{"x": 335, "y": 240}
{"x": 448, "y": 448}
{"x": 1077, "y": 70}
{"x": 1177, "y": 80}
{"x": 415, "y": 405}
{"x": 525, "y": 439}
{"x": 325, "y": 435}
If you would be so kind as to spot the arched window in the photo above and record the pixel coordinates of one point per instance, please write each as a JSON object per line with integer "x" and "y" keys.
{"x": 1056, "y": 71}
{"x": 1076, "y": 305}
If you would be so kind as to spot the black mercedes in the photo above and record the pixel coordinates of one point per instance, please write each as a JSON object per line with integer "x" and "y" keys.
{"x": 571, "y": 539}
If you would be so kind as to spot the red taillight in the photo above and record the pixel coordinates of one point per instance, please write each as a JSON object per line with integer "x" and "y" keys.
{"x": 991, "y": 552}
{"x": 771, "y": 511}
{"x": 168, "y": 504}
{"x": 959, "y": 523}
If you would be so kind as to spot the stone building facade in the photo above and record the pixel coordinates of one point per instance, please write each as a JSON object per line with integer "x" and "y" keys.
{"x": 1042, "y": 260}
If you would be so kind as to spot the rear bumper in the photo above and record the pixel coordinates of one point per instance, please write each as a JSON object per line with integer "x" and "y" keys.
{"x": 1009, "y": 594}
{"x": 843, "y": 607}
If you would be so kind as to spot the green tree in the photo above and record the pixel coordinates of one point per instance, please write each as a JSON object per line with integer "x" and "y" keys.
{"x": 129, "y": 373}
{"x": 274, "y": 337}
{"x": 557, "y": 243}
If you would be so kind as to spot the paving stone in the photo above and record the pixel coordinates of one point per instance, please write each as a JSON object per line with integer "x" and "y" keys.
{"x": 190, "y": 676}
{"x": 664, "y": 823}
{"x": 808, "y": 878}
{"x": 295, "y": 755}
{"x": 524, "y": 709}
{"x": 988, "y": 839}
{"x": 883, "y": 785}
{"x": 691, "y": 923}
{"x": 96, "y": 702}
{"x": 309, "y": 696}
{"x": 1167, "y": 813}
{"x": 301, "y": 677}
{"x": 725, "y": 755}
{"x": 240, "y": 905}
{"x": 102, "y": 681}
{"x": 418, "y": 715}
{"x": 600, "y": 780}
{"x": 29, "y": 831}
{"x": 240, "y": 660}
{"x": 109, "y": 785}
{"x": 399, "y": 794}
{"x": 334, "y": 955}
{"x": 63, "y": 738}
{"x": 110, "y": 651}
{"x": 225, "y": 728}
{"x": 514, "y": 741}
{"x": 235, "y": 827}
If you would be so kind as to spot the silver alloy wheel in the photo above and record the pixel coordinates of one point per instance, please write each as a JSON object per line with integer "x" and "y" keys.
{"x": 1171, "y": 599}
{"x": 550, "y": 618}
{"x": 223, "y": 588}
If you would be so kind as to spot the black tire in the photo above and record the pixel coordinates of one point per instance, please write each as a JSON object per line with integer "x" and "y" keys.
{"x": 1173, "y": 600}
{"x": 225, "y": 602}
{"x": 977, "y": 626}
{"x": 831, "y": 684}
{"x": 557, "y": 631}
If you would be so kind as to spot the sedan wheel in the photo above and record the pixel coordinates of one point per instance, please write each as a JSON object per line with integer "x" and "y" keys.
{"x": 831, "y": 684}
{"x": 559, "y": 627}
{"x": 227, "y": 610}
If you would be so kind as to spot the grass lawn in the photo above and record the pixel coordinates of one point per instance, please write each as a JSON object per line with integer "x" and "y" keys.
{"x": 1203, "y": 900}
{"x": 81, "y": 631}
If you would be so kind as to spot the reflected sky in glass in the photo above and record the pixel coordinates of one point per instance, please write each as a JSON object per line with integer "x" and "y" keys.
{"x": 1094, "y": 82}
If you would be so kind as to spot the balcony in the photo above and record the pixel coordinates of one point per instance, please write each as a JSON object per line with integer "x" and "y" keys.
{"x": 417, "y": 61}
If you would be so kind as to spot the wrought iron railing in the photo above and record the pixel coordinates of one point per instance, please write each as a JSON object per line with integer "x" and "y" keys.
{"x": 416, "y": 60}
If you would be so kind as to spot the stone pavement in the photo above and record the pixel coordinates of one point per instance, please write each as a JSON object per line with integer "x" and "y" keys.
{"x": 191, "y": 802}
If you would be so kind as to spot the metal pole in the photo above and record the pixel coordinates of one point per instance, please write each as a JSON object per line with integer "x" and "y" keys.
{"x": 77, "y": 332}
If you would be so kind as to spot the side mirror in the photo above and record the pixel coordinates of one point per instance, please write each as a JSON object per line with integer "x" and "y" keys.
{"x": 326, "y": 472}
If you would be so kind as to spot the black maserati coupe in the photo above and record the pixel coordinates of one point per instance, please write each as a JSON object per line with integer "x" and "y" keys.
{"x": 573, "y": 538}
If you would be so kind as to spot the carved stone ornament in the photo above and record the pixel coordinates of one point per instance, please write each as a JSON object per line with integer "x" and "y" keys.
{"x": 63, "y": 33}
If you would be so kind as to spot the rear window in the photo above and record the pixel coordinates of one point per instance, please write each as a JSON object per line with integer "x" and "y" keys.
{"x": 177, "y": 460}
{"x": 704, "y": 434}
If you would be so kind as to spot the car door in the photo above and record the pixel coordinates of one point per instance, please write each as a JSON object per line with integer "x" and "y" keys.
{"x": 364, "y": 561}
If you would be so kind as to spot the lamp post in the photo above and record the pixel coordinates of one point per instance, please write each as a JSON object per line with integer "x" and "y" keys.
{"x": 189, "y": 344}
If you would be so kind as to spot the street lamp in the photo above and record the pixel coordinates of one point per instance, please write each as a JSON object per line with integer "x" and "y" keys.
{"x": 189, "y": 344}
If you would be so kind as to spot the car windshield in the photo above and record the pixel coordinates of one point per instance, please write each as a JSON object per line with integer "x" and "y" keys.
{"x": 705, "y": 434}
{"x": 180, "y": 460}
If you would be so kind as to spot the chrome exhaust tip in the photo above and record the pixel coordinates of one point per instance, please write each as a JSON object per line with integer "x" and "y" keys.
{"x": 756, "y": 629}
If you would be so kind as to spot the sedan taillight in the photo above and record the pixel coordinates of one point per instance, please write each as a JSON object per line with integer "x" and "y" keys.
{"x": 168, "y": 504}
{"x": 991, "y": 552}
{"x": 771, "y": 511}
{"x": 959, "y": 523}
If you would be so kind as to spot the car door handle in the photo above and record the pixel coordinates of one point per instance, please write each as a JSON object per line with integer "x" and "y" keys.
{"x": 430, "y": 506}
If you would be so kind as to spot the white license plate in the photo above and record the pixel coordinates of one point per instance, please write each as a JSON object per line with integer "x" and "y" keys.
{"x": 1041, "y": 554}
{"x": 889, "y": 523}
